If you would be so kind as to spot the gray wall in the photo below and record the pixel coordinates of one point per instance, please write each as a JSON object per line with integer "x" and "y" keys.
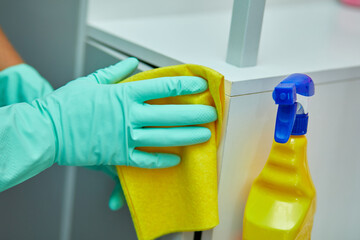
{"x": 44, "y": 33}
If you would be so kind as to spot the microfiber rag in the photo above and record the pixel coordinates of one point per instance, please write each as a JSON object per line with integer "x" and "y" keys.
{"x": 184, "y": 197}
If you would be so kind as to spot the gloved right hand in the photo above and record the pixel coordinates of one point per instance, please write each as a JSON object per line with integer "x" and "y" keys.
{"x": 91, "y": 121}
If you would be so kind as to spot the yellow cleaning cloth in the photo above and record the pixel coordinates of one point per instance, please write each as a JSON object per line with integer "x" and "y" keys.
{"x": 181, "y": 198}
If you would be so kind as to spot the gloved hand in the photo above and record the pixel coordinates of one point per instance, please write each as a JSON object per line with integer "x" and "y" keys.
{"x": 95, "y": 123}
{"x": 91, "y": 122}
{"x": 21, "y": 83}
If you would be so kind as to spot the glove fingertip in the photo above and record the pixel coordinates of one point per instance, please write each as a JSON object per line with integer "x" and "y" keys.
{"x": 168, "y": 160}
{"x": 205, "y": 135}
{"x": 115, "y": 73}
{"x": 133, "y": 60}
{"x": 117, "y": 198}
{"x": 203, "y": 85}
{"x": 115, "y": 203}
{"x": 130, "y": 64}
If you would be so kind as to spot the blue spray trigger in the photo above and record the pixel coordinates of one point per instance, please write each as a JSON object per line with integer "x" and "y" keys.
{"x": 284, "y": 94}
{"x": 284, "y": 122}
{"x": 303, "y": 83}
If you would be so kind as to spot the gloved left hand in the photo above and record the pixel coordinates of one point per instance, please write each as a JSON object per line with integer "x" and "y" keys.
{"x": 23, "y": 83}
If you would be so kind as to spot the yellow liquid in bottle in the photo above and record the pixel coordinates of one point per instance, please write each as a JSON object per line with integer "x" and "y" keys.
{"x": 282, "y": 200}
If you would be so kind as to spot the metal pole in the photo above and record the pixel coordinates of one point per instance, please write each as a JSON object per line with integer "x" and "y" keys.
{"x": 245, "y": 31}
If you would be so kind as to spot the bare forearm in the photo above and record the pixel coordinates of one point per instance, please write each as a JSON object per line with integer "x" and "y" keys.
{"x": 8, "y": 55}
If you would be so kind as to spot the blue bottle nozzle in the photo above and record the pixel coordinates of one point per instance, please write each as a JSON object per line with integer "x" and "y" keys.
{"x": 291, "y": 96}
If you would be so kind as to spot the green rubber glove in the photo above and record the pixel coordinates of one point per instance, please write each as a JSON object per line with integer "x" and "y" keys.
{"x": 21, "y": 83}
{"x": 91, "y": 122}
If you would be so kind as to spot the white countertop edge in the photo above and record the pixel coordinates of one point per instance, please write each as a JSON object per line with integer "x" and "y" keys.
{"x": 232, "y": 88}
{"x": 253, "y": 86}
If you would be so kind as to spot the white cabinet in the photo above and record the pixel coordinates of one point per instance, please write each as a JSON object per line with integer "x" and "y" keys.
{"x": 320, "y": 38}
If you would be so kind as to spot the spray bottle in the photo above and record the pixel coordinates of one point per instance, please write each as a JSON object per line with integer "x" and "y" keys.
{"x": 282, "y": 200}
